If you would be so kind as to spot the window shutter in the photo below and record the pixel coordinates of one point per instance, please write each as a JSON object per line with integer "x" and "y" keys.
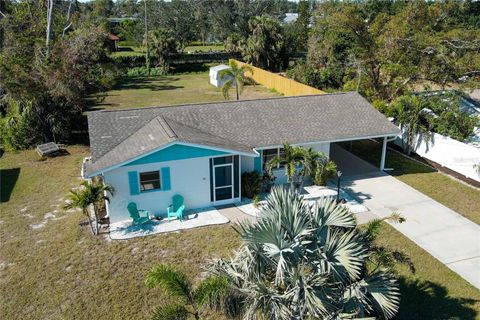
{"x": 133, "y": 182}
{"x": 257, "y": 162}
{"x": 166, "y": 178}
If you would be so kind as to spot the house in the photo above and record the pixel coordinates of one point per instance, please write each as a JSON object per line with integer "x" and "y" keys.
{"x": 200, "y": 150}
{"x": 215, "y": 78}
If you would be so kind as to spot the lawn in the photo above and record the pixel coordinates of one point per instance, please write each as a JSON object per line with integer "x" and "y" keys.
{"x": 181, "y": 88}
{"x": 51, "y": 268}
{"x": 456, "y": 195}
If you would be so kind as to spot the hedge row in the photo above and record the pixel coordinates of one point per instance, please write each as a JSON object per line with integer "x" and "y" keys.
{"x": 204, "y": 57}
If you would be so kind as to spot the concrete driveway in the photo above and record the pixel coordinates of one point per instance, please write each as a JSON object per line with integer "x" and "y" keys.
{"x": 445, "y": 234}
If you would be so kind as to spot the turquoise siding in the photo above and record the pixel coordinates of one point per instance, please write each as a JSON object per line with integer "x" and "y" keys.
{"x": 176, "y": 152}
{"x": 257, "y": 164}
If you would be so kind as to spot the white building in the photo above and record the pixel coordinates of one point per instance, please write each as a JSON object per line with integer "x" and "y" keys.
{"x": 215, "y": 77}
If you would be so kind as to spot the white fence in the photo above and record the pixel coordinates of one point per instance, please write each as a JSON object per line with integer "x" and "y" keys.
{"x": 452, "y": 154}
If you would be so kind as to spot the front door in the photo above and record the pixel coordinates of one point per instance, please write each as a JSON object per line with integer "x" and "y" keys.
{"x": 224, "y": 179}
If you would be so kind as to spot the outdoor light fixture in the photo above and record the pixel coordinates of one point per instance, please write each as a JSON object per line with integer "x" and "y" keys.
{"x": 339, "y": 174}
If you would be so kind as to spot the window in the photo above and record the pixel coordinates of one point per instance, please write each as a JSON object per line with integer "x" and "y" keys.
{"x": 150, "y": 181}
{"x": 269, "y": 154}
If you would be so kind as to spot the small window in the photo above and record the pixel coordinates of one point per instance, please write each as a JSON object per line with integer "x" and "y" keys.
{"x": 269, "y": 154}
{"x": 150, "y": 181}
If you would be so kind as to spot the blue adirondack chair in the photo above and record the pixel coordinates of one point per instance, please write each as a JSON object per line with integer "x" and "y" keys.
{"x": 138, "y": 216}
{"x": 176, "y": 208}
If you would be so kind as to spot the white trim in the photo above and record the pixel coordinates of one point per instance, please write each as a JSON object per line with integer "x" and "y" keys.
{"x": 120, "y": 164}
{"x": 326, "y": 141}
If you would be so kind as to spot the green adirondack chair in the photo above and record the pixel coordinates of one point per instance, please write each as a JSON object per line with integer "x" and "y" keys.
{"x": 176, "y": 208}
{"x": 138, "y": 216}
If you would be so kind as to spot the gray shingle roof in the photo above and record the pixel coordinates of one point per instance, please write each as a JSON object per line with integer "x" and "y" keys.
{"x": 119, "y": 135}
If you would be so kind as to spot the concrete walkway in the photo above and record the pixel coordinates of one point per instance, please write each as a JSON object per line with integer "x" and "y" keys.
{"x": 445, "y": 234}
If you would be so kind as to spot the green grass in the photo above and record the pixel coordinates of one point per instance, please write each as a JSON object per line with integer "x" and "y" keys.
{"x": 169, "y": 90}
{"x": 128, "y": 51}
{"x": 456, "y": 195}
{"x": 60, "y": 271}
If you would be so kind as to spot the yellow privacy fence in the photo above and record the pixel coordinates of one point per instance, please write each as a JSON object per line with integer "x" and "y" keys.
{"x": 283, "y": 85}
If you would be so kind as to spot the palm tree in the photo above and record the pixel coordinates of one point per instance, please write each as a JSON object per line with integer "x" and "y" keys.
{"x": 265, "y": 43}
{"x": 189, "y": 300}
{"x": 236, "y": 78}
{"x": 292, "y": 158}
{"x": 412, "y": 114}
{"x": 89, "y": 194}
{"x": 304, "y": 262}
{"x": 163, "y": 46}
{"x": 318, "y": 166}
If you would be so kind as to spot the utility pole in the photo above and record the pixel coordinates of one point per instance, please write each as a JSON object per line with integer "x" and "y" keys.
{"x": 147, "y": 55}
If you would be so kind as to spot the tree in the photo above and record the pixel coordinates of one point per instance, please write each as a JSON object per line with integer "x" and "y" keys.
{"x": 235, "y": 77}
{"x": 89, "y": 194}
{"x": 302, "y": 24}
{"x": 47, "y": 96}
{"x": 302, "y": 262}
{"x": 291, "y": 158}
{"x": 163, "y": 46}
{"x": 385, "y": 48}
{"x": 189, "y": 300}
{"x": 412, "y": 115}
{"x": 318, "y": 166}
{"x": 265, "y": 42}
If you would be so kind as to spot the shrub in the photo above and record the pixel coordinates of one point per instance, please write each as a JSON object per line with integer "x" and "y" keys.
{"x": 142, "y": 71}
{"x": 251, "y": 184}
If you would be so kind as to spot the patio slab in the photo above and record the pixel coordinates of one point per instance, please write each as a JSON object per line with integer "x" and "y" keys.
{"x": 193, "y": 219}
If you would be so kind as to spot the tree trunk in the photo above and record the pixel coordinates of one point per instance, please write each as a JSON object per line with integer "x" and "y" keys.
{"x": 97, "y": 229}
{"x": 85, "y": 211}
{"x": 49, "y": 25}
{"x": 236, "y": 88}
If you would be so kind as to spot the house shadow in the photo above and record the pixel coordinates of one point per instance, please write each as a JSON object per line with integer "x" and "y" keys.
{"x": 429, "y": 300}
{"x": 8, "y": 179}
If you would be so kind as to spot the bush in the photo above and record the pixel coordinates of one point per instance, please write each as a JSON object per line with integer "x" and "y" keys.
{"x": 142, "y": 71}
{"x": 251, "y": 184}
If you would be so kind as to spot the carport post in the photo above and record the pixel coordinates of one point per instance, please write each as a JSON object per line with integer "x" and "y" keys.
{"x": 384, "y": 152}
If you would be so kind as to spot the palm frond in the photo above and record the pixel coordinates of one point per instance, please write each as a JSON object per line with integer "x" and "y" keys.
{"x": 343, "y": 256}
{"x": 226, "y": 88}
{"x": 375, "y": 293}
{"x": 170, "y": 312}
{"x": 173, "y": 282}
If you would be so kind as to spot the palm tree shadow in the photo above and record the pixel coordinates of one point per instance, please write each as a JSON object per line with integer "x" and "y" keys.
{"x": 429, "y": 300}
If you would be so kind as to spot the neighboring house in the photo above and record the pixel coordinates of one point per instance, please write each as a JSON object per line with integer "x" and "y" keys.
{"x": 215, "y": 78}
{"x": 199, "y": 151}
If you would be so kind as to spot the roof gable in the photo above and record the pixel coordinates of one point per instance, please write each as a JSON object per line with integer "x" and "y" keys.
{"x": 176, "y": 152}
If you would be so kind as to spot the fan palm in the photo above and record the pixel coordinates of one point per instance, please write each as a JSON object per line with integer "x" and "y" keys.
{"x": 89, "y": 194}
{"x": 236, "y": 78}
{"x": 292, "y": 158}
{"x": 300, "y": 262}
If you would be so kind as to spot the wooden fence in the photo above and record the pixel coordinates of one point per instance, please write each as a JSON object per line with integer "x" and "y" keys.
{"x": 281, "y": 84}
